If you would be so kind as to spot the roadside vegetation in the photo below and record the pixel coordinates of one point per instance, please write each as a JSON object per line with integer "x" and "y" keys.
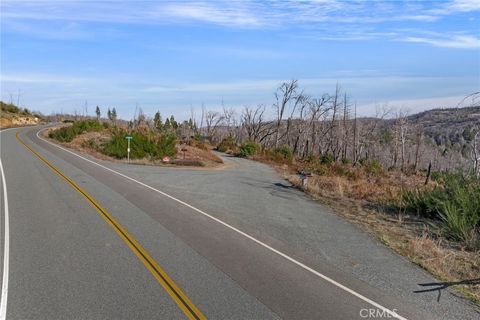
{"x": 437, "y": 225}
{"x": 67, "y": 134}
{"x": 143, "y": 145}
{"x": 454, "y": 202}
{"x": 15, "y": 116}
{"x": 410, "y": 180}
{"x": 152, "y": 140}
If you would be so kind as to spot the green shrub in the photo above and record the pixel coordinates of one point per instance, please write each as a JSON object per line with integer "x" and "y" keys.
{"x": 117, "y": 146}
{"x": 90, "y": 144}
{"x": 64, "y": 134}
{"x": 141, "y": 145}
{"x": 249, "y": 148}
{"x": 311, "y": 158}
{"x": 67, "y": 134}
{"x": 283, "y": 153}
{"x": 326, "y": 159}
{"x": 227, "y": 143}
{"x": 423, "y": 203}
{"x": 455, "y": 204}
{"x": 371, "y": 167}
{"x": 8, "y": 107}
{"x": 166, "y": 146}
{"x": 317, "y": 168}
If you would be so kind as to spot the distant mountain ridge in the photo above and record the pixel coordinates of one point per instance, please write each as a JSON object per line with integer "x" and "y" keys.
{"x": 444, "y": 126}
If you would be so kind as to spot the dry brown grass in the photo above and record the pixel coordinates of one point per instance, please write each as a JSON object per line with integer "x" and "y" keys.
{"x": 203, "y": 155}
{"x": 361, "y": 200}
{"x": 445, "y": 262}
{"x": 383, "y": 188}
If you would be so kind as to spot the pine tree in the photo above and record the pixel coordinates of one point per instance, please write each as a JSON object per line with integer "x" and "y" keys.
{"x": 167, "y": 124}
{"x": 114, "y": 115}
{"x": 157, "y": 121}
{"x": 173, "y": 123}
{"x": 97, "y": 111}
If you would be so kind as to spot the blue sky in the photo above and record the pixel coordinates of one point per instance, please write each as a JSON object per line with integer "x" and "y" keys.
{"x": 173, "y": 56}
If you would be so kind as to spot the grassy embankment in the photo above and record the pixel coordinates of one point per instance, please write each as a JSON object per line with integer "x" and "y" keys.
{"x": 13, "y": 116}
{"x": 147, "y": 146}
{"x": 436, "y": 226}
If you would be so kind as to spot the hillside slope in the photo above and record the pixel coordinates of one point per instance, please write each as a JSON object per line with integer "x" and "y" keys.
{"x": 444, "y": 126}
{"x": 13, "y": 116}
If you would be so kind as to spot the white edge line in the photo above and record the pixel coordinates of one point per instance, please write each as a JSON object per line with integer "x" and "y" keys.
{"x": 4, "y": 296}
{"x": 6, "y": 253}
{"x": 298, "y": 263}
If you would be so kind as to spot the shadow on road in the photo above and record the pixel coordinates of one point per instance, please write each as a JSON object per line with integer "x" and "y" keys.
{"x": 285, "y": 186}
{"x": 439, "y": 286}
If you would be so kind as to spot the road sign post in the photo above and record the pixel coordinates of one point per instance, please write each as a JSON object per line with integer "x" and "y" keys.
{"x": 128, "y": 147}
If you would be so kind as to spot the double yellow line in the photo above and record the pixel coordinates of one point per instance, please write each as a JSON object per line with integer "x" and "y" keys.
{"x": 165, "y": 281}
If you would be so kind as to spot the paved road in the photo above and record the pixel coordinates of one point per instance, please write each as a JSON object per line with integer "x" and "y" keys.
{"x": 163, "y": 243}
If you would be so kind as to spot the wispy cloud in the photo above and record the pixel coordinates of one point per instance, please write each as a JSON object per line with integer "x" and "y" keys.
{"x": 451, "y": 7}
{"x": 41, "y": 79}
{"x": 246, "y": 13}
{"x": 455, "y": 41}
{"x": 318, "y": 19}
{"x": 229, "y": 15}
{"x": 58, "y": 31}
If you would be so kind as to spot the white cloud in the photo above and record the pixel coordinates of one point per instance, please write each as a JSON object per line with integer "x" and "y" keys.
{"x": 219, "y": 87}
{"x": 41, "y": 79}
{"x": 227, "y": 16}
{"x": 455, "y": 41}
{"x": 246, "y": 13}
{"x": 317, "y": 19}
{"x": 464, "y": 5}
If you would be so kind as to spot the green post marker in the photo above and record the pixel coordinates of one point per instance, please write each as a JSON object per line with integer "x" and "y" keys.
{"x": 128, "y": 148}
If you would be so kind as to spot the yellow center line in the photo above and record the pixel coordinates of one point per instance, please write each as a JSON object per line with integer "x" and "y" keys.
{"x": 183, "y": 302}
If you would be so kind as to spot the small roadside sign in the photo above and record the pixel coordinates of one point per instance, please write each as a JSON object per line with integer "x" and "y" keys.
{"x": 128, "y": 147}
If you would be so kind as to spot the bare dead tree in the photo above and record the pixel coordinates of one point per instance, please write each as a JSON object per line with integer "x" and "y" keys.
{"x": 475, "y": 153}
{"x": 301, "y": 104}
{"x": 366, "y": 132}
{"x": 403, "y": 129}
{"x": 355, "y": 131}
{"x": 418, "y": 145}
{"x": 253, "y": 122}
{"x": 212, "y": 120}
{"x": 75, "y": 114}
{"x": 346, "y": 115}
{"x": 202, "y": 117}
{"x": 283, "y": 95}
{"x": 318, "y": 109}
{"x": 229, "y": 118}
{"x": 140, "y": 120}
{"x": 332, "y": 144}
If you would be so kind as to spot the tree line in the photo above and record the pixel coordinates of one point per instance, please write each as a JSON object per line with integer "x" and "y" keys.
{"x": 325, "y": 126}
{"x": 328, "y": 126}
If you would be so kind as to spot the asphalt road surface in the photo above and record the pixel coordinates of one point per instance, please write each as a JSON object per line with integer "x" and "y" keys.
{"x": 88, "y": 239}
